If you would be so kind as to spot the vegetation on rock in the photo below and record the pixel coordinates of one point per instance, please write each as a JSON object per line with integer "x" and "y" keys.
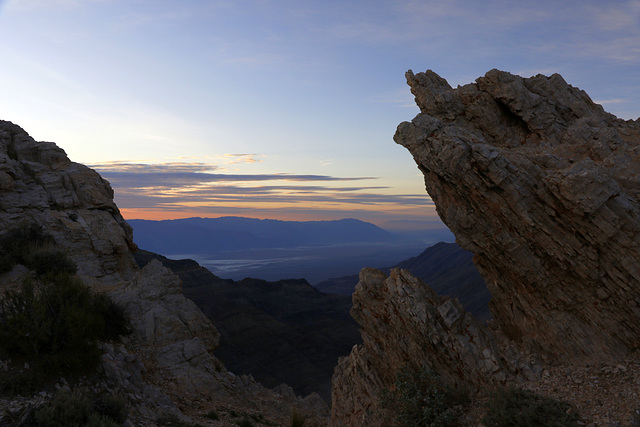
{"x": 419, "y": 398}
{"x": 516, "y": 407}
{"x": 76, "y": 409}
{"x": 29, "y": 245}
{"x": 52, "y": 322}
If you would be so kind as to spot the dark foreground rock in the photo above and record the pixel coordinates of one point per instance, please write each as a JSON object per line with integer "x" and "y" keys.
{"x": 445, "y": 267}
{"x": 543, "y": 186}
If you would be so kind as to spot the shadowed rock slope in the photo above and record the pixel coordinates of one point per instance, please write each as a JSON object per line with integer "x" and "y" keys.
{"x": 165, "y": 369}
{"x": 279, "y": 332}
{"x": 543, "y": 186}
{"x": 445, "y": 267}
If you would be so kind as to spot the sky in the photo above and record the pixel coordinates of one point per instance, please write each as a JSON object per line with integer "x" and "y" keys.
{"x": 281, "y": 109}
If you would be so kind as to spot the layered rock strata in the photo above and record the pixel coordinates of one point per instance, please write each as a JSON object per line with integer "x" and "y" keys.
{"x": 39, "y": 184}
{"x": 544, "y": 187}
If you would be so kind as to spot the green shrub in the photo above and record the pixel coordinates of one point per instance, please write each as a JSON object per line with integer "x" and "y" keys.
{"x": 421, "y": 399}
{"x": 56, "y": 325}
{"x": 78, "y": 409}
{"x": 245, "y": 422}
{"x": 28, "y": 244}
{"x": 296, "y": 419}
{"x": 516, "y": 407}
{"x": 49, "y": 260}
{"x": 20, "y": 238}
{"x": 112, "y": 407}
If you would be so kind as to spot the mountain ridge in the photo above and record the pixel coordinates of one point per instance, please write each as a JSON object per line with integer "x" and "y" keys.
{"x": 205, "y": 235}
{"x": 445, "y": 267}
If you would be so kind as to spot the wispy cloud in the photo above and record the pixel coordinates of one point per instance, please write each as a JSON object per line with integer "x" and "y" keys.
{"x": 611, "y": 101}
{"x": 180, "y": 175}
{"x": 175, "y": 187}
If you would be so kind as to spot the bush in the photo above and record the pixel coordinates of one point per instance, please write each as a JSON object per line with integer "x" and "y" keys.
{"x": 6, "y": 261}
{"x": 78, "y": 409}
{"x": 245, "y": 422}
{"x": 515, "y": 407}
{"x": 49, "y": 260}
{"x": 421, "y": 399}
{"x": 212, "y": 415}
{"x": 29, "y": 245}
{"x": 55, "y": 326}
{"x": 296, "y": 419}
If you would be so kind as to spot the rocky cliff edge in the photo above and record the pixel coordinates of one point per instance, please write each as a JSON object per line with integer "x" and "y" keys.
{"x": 165, "y": 367}
{"x": 544, "y": 187}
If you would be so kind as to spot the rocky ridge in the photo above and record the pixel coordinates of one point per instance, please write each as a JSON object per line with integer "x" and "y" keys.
{"x": 165, "y": 367}
{"x": 38, "y": 184}
{"x": 543, "y": 186}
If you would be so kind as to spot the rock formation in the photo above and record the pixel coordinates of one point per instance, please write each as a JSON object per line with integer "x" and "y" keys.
{"x": 406, "y": 324}
{"x": 165, "y": 368}
{"x": 544, "y": 187}
{"x": 446, "y": 267}
{"x": 39, "y": 184}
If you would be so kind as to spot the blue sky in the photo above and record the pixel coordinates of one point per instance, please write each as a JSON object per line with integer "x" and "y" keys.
{"x": 281, "y": 109}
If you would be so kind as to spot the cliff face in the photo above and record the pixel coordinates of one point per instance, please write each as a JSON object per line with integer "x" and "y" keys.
{"x": 165, "y": 367}
{"x": 39, "y": 184}
{"x": 406, "y": 324}
{"x": 543, "y": 186}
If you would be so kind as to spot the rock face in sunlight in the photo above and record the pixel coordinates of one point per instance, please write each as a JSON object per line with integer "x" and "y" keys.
{"x": 39, "y": 184}
{"x": 543, "y": 186}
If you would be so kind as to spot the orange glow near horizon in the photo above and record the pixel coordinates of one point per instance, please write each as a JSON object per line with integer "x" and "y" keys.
{"x": 412, "y": 213}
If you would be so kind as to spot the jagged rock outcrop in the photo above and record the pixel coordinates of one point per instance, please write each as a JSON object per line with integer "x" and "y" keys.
{"x": 165, "y": 367}
{"x": 172, "y": 340}
{"x": 544, "y": 187}
{"x": 39, "y": 184}
{"x": 406, "y": 324}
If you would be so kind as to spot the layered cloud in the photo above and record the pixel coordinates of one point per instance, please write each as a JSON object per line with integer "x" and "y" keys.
{"x": 195, "y": 188}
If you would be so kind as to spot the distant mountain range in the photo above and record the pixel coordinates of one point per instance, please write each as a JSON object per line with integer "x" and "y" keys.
{"x": 236, "y": 248}
{"x": 211, "y": 235}
{"x": 445, "y": 267}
